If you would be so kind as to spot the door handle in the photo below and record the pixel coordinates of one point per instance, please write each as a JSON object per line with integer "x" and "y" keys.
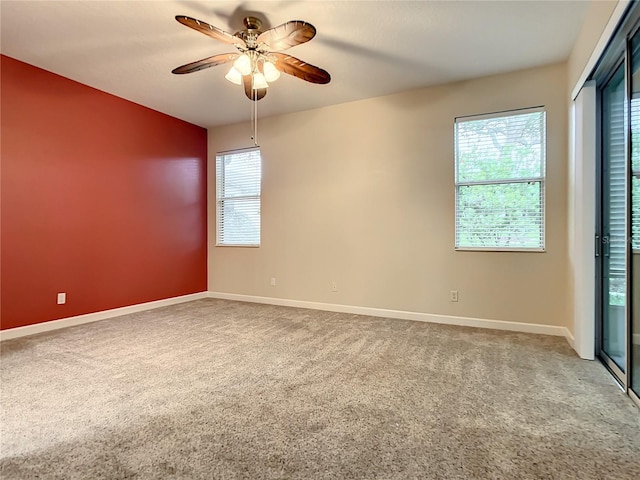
{"x": 598, "y": 245}
{"x": 606, "y": 245}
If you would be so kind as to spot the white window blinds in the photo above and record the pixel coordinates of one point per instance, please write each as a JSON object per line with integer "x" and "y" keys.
{"x": 499, "y": 177}
{"x": 635, "y": 171}
{"x": 238, "y": 177}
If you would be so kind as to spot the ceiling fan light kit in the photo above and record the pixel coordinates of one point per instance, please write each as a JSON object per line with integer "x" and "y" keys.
{"x": 251, "y": 63}
{"x": 258, "y": 59}
{"x": 243, "y": 64}
{"x": 234, "y": 76}
{"x": 271, "y": 73}
{"x": 258, "y": 81}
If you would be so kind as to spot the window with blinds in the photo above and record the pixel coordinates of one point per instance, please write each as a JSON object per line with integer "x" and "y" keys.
{"x": 238, "y": 176}
{"x": 499, "y": 180}
{"x": 635, "y": 172}
{"x": 616, "y": 192}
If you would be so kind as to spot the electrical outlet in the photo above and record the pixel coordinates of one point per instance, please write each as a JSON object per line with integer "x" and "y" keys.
{"x": 62, "y": 298}
{"x": 453, "y": 295}
{"x": 273, "y": 281}
{"x": 334, "y": 286}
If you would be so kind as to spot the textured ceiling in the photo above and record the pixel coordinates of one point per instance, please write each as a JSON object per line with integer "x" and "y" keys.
{"x": 371, "y": 48}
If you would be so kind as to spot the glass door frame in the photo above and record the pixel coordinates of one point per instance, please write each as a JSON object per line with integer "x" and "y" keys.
{"x": 601, "y": 244}
{"x": 617, "y": 52}
{"x": 629, "y": 331}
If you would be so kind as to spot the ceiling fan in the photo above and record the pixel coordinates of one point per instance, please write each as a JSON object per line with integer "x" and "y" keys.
{"x": 258, "y": 59}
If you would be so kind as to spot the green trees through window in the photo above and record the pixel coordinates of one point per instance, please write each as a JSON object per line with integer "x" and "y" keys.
{"x": 500, "y": 171}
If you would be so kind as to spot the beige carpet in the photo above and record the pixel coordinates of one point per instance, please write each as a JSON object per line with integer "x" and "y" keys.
{"x": 228, "y": 390}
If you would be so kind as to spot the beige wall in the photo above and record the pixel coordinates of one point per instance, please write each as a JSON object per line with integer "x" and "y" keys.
{"x": 595, "y": 21}
{"x": 362, "y": 194}
{"x": 580, "y": 281}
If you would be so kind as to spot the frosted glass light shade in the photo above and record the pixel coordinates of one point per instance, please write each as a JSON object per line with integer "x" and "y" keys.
{"x": 259, "y": 81}
{"x": 234, "y": 76}
{"x": 271, "y": 73}
{"x": 243, "y": 64}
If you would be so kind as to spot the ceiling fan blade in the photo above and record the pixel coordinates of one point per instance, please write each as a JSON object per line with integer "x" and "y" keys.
{"x": 296, "y": 67}
{"x": 211, "y": 31}
{"x": 287, "y": 35}
{"x": 206, "y": 63}
{"x": 251, "y": 94}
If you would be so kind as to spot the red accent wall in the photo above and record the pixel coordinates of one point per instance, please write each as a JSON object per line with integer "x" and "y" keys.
{"x": 101, "y": 198}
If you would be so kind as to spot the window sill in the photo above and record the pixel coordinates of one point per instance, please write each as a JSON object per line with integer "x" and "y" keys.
{"x": 500, "y": 249}
{"x": 236, "y": 245}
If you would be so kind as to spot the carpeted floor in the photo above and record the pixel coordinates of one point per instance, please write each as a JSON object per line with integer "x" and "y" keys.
{"x": 215, "y": 389}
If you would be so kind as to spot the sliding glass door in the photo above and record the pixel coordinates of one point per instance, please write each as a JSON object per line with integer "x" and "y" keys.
{"x": 618, "y": 233}
{"x": 634, "y": 140}
{"x": 614, "y": 224}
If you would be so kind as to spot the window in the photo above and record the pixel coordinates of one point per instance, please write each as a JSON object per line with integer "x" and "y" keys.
{"x": 635, "y": 174}
{"x": 499, "y": 179}
{"x": 238, "y": 176}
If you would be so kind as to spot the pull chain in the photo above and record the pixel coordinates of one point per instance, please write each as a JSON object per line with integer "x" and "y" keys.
{"x": 255, "y": 119}
{"x": 254, "y": 114}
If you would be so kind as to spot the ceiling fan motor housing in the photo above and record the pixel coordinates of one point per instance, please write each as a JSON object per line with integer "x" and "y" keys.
{"x": 252, "y": 23}
{"x": 251, "y": 32}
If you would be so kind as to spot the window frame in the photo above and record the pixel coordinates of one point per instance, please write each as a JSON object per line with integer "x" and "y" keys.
{"x": 541, "y": 180}
{"x": 220, "y": 198}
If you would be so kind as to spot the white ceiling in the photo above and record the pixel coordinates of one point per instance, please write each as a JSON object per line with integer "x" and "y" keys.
{"x": 370, "y": 48}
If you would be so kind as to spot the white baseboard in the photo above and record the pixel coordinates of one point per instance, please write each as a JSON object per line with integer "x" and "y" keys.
{"x": 570, "y": 339}
{"x": 404, "y": 315}
{"x": 374, "y": 312}
{"x": 94, "y": 317}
